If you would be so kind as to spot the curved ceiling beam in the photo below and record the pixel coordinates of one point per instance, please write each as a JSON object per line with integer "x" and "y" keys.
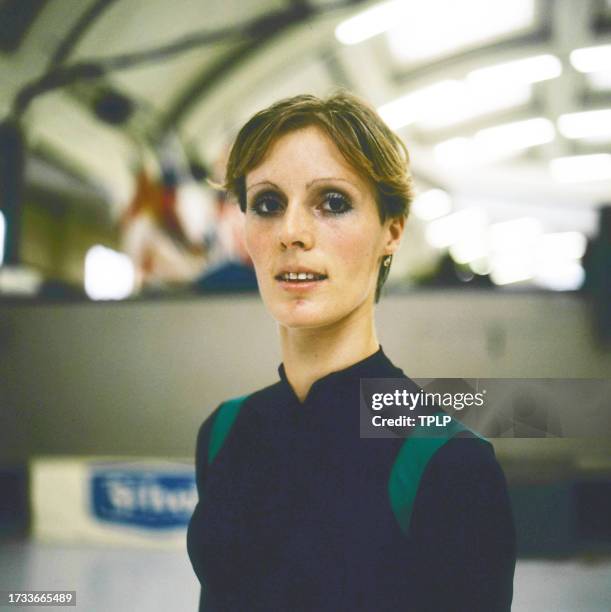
{"x": 78, "y": 30}
{"x": 258, "y": 35}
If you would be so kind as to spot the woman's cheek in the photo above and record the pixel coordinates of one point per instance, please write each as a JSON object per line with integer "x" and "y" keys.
{"x": 354, "y": 250}
{"x": 255, "y": 244}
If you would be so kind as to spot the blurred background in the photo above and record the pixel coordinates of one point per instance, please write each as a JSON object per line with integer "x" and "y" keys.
{"x": 129, "y": 306}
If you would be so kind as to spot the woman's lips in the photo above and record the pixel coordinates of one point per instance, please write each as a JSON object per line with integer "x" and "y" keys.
{"x": 300, "y": 286}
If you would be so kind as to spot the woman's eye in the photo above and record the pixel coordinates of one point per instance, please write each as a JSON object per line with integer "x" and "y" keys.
{"x": 336, "y": 203}
{"x": 266, "y": 205}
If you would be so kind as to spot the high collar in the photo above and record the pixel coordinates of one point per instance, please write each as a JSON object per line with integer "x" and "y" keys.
{"x": 376, "y": 365}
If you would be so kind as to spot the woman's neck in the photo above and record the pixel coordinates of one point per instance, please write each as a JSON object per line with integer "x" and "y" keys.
{"x": 310, "y": 354}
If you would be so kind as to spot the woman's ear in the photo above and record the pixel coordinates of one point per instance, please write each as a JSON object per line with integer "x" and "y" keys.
{"x": 396, "y": 227}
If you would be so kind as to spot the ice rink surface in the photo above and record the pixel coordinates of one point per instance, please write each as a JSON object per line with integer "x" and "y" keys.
{"x": 136, "y": 580}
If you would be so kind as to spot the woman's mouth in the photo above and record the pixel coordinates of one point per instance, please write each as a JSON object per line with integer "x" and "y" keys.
{"x": 300, "y": 281}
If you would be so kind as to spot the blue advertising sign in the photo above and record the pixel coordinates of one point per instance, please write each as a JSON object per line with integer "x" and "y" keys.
{"x": 143, "y": 497}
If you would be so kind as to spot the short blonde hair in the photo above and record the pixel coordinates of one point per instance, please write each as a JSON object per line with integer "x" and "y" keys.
{"x": 360, "y": 134}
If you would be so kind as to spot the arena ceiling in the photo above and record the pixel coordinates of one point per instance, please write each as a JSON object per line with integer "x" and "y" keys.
{"x": 93, "y": 78}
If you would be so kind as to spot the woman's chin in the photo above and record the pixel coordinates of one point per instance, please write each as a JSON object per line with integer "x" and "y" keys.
{"x": 303, "y": 314}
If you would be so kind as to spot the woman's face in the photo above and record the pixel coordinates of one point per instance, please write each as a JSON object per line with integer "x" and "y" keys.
{"x": 314, "y": 233}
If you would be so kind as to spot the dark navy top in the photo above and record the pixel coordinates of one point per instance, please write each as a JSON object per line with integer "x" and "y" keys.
{"x": 294, "y": 512}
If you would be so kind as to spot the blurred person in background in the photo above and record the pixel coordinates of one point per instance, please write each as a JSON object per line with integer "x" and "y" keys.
{"x": 230, "y": 268}
{"x": 296, "y": 510}
{"x": 154, "y": 235}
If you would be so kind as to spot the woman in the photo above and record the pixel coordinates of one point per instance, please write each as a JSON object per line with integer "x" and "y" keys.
{"x": 296, "y": 511}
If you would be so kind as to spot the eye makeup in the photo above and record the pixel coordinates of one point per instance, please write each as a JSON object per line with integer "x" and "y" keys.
{"x": 266, "y": 203}
{"x": 329, "y": 199}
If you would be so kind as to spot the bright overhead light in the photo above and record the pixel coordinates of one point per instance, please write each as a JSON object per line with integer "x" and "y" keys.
{"x": 411, "y": 107}
{"x": 495, "y": 143}
{"x": 458, "y": 226}
{"x": 421, "y": 34}
{"x": 507, "y": 270}
{"x": 595, "y": 125}
{"x": 455, "y": 151}
{"x": 558, "y": 266}
{"x": 562, "y": 246}
{"x": 424, "y": 30}
{"x": 513, "y": 245}
{"x": 480, "y": 266}
{"x": 591, "y": 59}
{"x": 370, "y": 22}
{"x": 515, "y": 136}
{"x": 560, "y": 276}
{"x": 473, "y": 248}
{"x": 528, "y": 70}
{"x": 472, "y": 100}
{"x": 600, "y": 81}
{"x": 432, "y": 204}
{"x": 580, "y": 168}
{"x": 516, "y": 235}
{"x": 431, "y": 109}
{"x": 108, "y": 275}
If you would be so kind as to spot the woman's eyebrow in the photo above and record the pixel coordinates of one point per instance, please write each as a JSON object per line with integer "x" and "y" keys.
{"x": 264, "y": 183}
{"x": 330, "y": 178}
{"x": 308, "y": 185}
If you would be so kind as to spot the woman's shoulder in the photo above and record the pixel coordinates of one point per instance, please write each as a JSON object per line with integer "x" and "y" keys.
{"x": 465, "y": 473}
{"x": 464, "y": 463}
{"x": 465, "y": 456}
{"x": 216, "y": 426}
{"x": 235, "y": 403}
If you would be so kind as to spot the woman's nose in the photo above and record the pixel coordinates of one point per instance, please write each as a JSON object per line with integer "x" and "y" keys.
{"x": 296, "y": 227}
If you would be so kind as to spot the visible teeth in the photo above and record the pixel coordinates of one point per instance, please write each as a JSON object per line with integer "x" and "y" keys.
{"x": 302, "y": 276}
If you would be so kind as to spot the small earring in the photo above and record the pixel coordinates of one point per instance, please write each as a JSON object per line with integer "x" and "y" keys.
{"x": 387, "y": 261}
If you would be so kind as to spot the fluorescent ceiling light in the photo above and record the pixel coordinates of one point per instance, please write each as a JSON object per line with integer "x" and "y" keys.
{"x": 411, "y": 107}
{"x": 580, "y": 168}
{"x": 600, "y": 81}
{"x": 449, "y": 102}
{"x": 560, "y": 276}
{"x": 513, "y": 246}
{"x": 370, "y": 22}
{"x": 516, "y": 236}
{"x": 506, "y": 270}
{"x": 458, "y": 226}
{"x": 591, "y": 59}
{"x": 470, "y": 101}
{"x": 562, "y": 246}
{"x": 421, "y": 34}
{"x": 473, "y": 249}
{"x": 425, "y": 30}
{"x": 480, "y": 266}
{"x": 514, "y": 136}
{"x": 432, "y": 204}
{"x": 595, "y": 125}
{"x": 455, "y": 151}
{"x": 108, "y": 275}
{"x": 528, "y": 70}
{"x": 495, "y": 143}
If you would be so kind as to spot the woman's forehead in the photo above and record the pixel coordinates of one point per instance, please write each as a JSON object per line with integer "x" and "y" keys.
{"x": 304, "y": 151}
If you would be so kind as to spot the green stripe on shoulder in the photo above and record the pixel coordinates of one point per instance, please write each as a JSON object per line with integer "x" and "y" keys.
{"x": 411, "y": 462}
{"x": 224, "y": 419}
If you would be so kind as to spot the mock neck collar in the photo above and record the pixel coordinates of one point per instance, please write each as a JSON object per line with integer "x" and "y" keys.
{"x": 376, "y": 365}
